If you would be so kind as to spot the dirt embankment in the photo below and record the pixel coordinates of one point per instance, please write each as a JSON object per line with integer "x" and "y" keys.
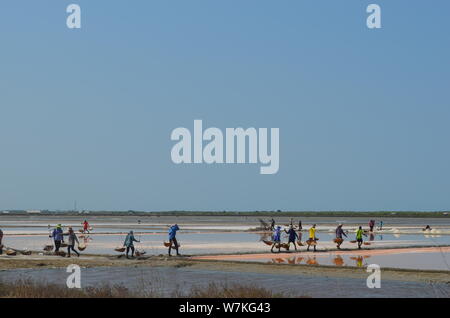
{"x": 219, "y": 265}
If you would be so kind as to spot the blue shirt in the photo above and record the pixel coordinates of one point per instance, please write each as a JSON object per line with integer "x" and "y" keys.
{"x": 292, "y": 235}
{"x": 173, "y": 231}
{"x": 57, "y": 234}
{"x": 277, "y": 235}
{"x": 129, "y": 240}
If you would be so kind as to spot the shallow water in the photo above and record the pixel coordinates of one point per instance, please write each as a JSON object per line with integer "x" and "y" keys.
{"x": 425, "y": 261}
{"x": 227, "y": 235}
{"x": 210, "y": 242}
{"x": 167, "y": 281}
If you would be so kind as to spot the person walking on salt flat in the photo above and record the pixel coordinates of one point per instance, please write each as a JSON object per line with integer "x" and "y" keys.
{"x": 173, "y": 238}
{"x": 129, "y": 243}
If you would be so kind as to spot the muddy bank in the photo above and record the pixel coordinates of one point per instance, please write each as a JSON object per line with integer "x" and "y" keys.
{"x": 34, "y": 262}
{"x": 161, "y": 278}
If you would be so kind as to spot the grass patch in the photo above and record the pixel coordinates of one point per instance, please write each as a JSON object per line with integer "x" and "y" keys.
{"x": 214, "y": 290}
{"x": 30, "y": 289}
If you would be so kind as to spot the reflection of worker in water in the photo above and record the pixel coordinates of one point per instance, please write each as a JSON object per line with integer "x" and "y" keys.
{"x": 291, "y": 260}
{"x": 292, "y": 236}
{"x": 359, "y": 261}
{"x": 312, "y": 261}
{"x": 276, "y": 239}
{"x": 338, "y": 260}
{"x": 312, "y": 238}
{"x": 278, "y": 260}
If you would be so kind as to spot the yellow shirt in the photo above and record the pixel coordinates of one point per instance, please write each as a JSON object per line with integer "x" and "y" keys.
{"x": 312, "y": 233}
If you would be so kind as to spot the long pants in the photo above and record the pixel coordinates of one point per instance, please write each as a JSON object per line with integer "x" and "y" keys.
{"x": 72, "y": 247}
{"x": 360, "y": 242}
{"x": 1, "y": 247}
{"x": 57, "y": 245}
{"x": 173, "y": 242}
{"x": 293, "y": 242}
{"x": 132, "y": 250}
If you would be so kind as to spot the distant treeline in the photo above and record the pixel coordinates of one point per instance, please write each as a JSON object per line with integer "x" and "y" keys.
{"x": 279, "y": 213}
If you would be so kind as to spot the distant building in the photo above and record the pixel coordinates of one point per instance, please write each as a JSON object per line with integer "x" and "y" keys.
{"x": 5, "y": 212}
{"x": 34, "y": 211}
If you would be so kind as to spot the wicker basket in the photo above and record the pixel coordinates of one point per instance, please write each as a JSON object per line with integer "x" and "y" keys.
{"x": 10, "y": 252}
{"x": 120, "y": 249}
{"x": 311, "y": 242}
{"x": 140, "y": 253}
{"x": 173, "y": 246}
{"x": 285, "y": 246}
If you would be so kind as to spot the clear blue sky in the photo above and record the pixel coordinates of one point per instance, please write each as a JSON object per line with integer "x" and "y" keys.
{"x": 87, "y": 114}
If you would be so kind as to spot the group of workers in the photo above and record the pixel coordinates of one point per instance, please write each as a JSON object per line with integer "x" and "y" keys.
{"x": 130, "y": 239}
{"x": 58, "y": 238}
{"x": 295, "y": 236}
